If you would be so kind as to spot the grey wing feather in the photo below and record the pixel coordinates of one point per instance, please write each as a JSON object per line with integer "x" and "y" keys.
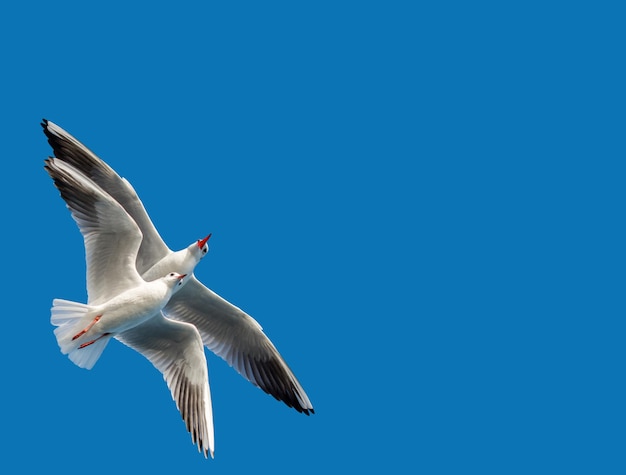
{"x": 236, "y": 337}
{"x": 71, "y": 151}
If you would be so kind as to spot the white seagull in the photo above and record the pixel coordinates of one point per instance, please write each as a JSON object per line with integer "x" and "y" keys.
{"x": 123, "y": 305}
{"x": 225, "y": 329}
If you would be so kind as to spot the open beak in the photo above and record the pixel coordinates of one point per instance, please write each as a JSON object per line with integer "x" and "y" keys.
{"x": 202, "y": 242}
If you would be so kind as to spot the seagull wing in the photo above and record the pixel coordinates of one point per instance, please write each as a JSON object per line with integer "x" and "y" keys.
{"x": 111, "y": 236}
{"x": 237, "y": 337}
{"x": 71, "y": 151}
{"x": 175, "y": 349}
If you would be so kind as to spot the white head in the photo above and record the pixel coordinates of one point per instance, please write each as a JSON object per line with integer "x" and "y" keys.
{"x": 199, "y": 248}
{"x": 174, "y": 279}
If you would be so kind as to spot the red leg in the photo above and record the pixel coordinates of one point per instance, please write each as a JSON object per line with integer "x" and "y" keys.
{"x": 81, "y": 333}
{"x": 92, "y": 341}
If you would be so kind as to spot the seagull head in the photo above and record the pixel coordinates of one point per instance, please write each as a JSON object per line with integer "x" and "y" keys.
{"x": 174, "y": 278}
{"x": 187, "y": 259}
{"x": 200, "y": 247}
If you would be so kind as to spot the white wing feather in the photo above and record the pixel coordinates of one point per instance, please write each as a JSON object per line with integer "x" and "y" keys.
{"x": 112, "y": 238}
{"x": 175, "y": 349}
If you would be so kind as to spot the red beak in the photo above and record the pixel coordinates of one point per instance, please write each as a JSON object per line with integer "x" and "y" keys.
{"x": 182, "y": 276}
{"x": 202, "y": 242}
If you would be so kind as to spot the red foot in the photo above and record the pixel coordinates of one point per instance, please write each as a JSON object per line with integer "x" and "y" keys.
{"x": 79, "y": 334}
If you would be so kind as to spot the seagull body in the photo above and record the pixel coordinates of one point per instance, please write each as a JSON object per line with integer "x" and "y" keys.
{"x": 124, "y": 305}
{"x": 224, "y": 328}
{"x": 80, "y": 326}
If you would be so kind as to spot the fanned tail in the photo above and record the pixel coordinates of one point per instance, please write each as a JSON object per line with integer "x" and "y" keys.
{"x": 70, "y": 318}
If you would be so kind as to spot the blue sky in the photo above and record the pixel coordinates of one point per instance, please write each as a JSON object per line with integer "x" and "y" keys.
{"x": 422, "y": 205}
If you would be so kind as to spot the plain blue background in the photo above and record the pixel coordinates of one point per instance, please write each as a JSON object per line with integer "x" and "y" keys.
{"x": 421, "y": 202}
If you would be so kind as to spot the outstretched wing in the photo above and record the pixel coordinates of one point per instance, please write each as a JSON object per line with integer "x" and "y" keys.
{"x": 239, "y": 339}
{"x": 111, "y": 236}
{"x": 175, "y": 349}
{"x": 71, "y": 151}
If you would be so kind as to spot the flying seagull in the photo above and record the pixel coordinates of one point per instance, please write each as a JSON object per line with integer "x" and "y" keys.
{"x": 225, "y": 329}
{"x": 123, "y": 305}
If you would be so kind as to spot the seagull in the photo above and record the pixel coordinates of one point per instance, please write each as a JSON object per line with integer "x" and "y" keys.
{"x": 225, "y": 329}
{"x": 123, "y": 305}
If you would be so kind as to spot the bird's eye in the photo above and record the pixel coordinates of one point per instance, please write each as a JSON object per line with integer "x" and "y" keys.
{"x": 171, "y": 274}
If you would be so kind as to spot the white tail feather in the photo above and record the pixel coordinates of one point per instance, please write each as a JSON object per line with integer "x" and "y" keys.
{"x": 88, "y": 356}
{"x": 70, "y": 318}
